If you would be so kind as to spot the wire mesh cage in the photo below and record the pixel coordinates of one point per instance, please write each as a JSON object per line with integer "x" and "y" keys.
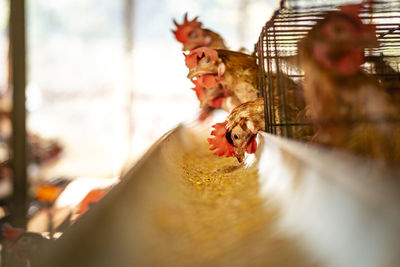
{"x": 281, "y": 78}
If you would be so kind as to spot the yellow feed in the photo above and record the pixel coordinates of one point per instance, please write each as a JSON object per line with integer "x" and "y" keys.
{"x": 221, "y": 219}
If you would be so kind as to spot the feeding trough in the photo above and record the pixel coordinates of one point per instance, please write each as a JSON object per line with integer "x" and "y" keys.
{"x": 180, "y": 205}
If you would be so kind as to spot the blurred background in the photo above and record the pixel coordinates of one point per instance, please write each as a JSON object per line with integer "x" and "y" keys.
{"x": 106, "y": 85}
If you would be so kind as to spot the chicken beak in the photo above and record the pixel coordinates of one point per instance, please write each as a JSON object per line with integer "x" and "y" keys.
{"x": 240, "y": 156}
{"x": 203, "y": 102}
{"x": 240, "y": 152}
{"x": 192, "y": 73}
{"x": 198, "y": 72}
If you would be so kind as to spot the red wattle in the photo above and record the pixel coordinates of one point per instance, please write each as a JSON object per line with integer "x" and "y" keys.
{"x": 351, "y": 62}
{"x": 251, "y": 146}
{"x": 217, "y": 102}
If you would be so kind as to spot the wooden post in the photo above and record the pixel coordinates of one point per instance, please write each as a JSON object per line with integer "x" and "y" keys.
{"x": 18, "y": 70}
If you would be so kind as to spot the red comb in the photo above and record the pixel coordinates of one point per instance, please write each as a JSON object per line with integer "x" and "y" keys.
{"x": 353, "y": 11}
{"x": 208, "y": 52}
{"x": 12, "y": 233}
{"x": 191, "y": 59}
{"x": 219, "y": 143}
{"x": 182, "y": 30}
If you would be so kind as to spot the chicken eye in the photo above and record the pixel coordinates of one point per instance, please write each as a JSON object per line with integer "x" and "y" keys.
{"x": 339, "y": 30}
{"x": 236, "y": 137}
{"x": 207, "y": 60}
{"x": 194, "y": 35}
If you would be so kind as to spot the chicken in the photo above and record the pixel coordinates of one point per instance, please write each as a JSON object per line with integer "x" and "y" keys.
{"x": 192, "y": 35}
{"x": 349, "y": 107}
{"x": 235, "y": 72}
{"x": 236, "y": 135}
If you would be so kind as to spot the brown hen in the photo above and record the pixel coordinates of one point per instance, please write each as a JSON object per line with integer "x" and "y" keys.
{"x": 350, "y": 109}
{"x": 235, "y": 72}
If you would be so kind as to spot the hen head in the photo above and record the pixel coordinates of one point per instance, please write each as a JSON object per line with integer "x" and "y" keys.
{"x": 190, "y": 34}
{"x": 232, "y": 141}
{"x": 242, "y": 135}
{"x": 204, "y": 60}
{"x": 337, "y": 42}
{"x": 209, "y": 91}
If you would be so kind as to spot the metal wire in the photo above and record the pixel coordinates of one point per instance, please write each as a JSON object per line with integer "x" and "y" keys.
{"x": 277, "y": 45}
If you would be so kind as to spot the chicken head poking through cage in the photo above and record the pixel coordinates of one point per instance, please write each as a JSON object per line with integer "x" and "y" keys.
{"x": 237, "y": 135}
{"x": 338, "y": 42}
{"x": 228, "y": 75}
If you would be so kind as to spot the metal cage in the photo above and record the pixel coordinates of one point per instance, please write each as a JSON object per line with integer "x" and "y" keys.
{"x": 276, "y": 52}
